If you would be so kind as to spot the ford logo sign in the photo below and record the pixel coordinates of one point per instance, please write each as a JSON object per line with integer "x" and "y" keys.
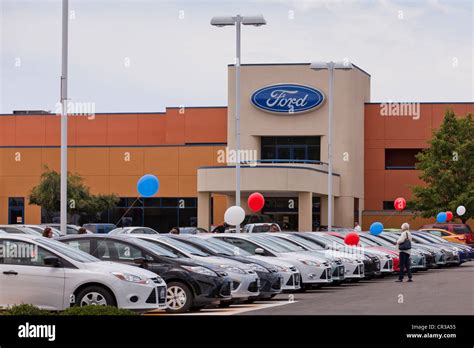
{"x": 287, "y": 98}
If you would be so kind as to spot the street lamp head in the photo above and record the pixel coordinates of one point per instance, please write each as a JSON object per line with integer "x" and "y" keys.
{"x": 256, "y": 20}
{"x": 222, "y": 21}
{"x": 319, "y": 65}
{"x": 345, "y": 65}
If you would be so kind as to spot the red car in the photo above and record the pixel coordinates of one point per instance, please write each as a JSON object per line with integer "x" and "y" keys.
{"x": 455, "y": 228}
{"x": 394, "y": 254}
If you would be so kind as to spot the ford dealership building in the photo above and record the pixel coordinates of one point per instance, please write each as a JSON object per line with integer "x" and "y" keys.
{"x": 284, "y": 125}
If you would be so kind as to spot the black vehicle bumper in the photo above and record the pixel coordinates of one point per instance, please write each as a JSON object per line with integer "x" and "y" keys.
{"x": 211, "y": 290}
{"x": 270, "y": 284}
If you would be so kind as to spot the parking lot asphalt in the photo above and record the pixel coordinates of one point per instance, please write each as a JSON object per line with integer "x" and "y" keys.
{"x": 434, "y": 292}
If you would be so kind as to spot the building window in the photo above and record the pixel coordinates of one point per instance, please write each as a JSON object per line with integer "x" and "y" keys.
{"x": 388, "y": 205}
{"x": 400, "y": 159}
{"x": 291, "y": 149}
{"x": 16, "y": 210}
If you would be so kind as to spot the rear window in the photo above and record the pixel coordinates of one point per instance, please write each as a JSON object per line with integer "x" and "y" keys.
{"x": 462, "y": 229}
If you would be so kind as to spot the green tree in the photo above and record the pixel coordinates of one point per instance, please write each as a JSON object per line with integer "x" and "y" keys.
{"x": 80, "y": 201}
{"x": 447, "y": 168}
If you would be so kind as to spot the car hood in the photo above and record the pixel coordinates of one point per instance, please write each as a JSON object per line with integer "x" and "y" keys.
{"x": 303, "y": 256}
{"x": 109, "y": 267}
{"x": 273, "y": 260}
{"x": 217, "y": 260}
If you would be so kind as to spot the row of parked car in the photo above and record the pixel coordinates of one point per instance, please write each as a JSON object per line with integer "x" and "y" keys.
{"x": 181, "y": 273}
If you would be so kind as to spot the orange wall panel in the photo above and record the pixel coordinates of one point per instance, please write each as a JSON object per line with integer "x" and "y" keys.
{"x": 161, "y": 161}
{"x": 21, "y": 161}
{"x": 187, "y": 186}
{"x": 97, "y": 184}
{"x": 152, "y": 129}
{"x": 122, "y": 129}
{"x": 126, "y": 161}
{"x": 30, "y": 130}
{"x": 174, "y": 127}
{"x": 191, "y": 158}
{"x": 91, "y": 131}
{"x": 7, "y": 131}
{"x": 92, "y": 161}
{"x": 207, "y": 123}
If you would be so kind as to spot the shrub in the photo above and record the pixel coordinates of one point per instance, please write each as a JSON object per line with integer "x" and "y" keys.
{"x": 26, "y": 309}
{"x": 96, "y": 310}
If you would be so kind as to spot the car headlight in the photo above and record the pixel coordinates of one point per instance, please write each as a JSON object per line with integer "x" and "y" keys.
{"x": 282, "y": 269}
{"x": 200, "y": 270}
{"x": 310, "y": 263}
{"x": 131, "y": 278}
{"x": 234, "y": 269}
{"x": 257, "y": 267}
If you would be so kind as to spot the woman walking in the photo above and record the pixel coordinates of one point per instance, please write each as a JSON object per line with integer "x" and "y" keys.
{"x": 404, "y": 247}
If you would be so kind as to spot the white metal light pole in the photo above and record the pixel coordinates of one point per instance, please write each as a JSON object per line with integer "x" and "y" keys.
{"x": 238, "y": 20}
{"x": 330, "y": 66}
{"x": 63, "y": 209}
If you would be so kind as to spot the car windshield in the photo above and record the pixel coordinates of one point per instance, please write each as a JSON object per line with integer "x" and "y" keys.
{"x": 216, "y": 249}
{"x": 157, "y": 248}
{"x": 306, "y": 243}
{"x": 367, "y": 241}
{"x": 185, "y": 247}
{"x": 270, "y": 244}
{"x": 433, "y": 238}
{"x": 389, "y": 237}
{"x": 118, "y": 231}
{"x": 462, "y": 229}
{"x": 291, "y": 245}
{"x": 64, "y": 249}
{"x": 379, "y": 241}
{"x": 234, "y": 250}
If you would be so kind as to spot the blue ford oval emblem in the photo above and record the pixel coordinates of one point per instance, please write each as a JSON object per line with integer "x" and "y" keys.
{"x": 287, "y": 98}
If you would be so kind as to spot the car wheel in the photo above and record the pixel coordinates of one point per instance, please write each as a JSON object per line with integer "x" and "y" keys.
{"x": 179, "y": 298}
{"x": 94, "y": 296}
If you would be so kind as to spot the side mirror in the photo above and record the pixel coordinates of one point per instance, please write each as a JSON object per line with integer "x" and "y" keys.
{"x": 259, "y": 251}
{"x": 139, "y": 261}
{"x": 52, "y": 261}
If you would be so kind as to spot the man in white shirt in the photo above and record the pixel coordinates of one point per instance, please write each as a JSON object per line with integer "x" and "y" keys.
{"x": 404, "y": 247}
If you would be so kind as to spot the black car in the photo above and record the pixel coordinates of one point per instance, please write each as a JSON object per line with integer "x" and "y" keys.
{"x": 191, "y": 285}
{"x": 270, "y": 279}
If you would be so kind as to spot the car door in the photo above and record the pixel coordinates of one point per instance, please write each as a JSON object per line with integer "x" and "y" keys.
{"x": 24, "y": 278}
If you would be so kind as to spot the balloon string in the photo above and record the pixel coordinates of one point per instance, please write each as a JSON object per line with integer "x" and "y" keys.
{"x": 130, "y": 207}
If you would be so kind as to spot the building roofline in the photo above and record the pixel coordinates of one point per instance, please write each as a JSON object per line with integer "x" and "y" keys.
{"x": 385, "y": 102}
{"x": 128, "y": 112}
{"x": 291, "y": 64}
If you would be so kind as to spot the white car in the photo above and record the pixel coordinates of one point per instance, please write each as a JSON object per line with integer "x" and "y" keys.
{"x": 352, "y": 266}
{"x": 291, "y": 275}
{"x": 40, "y": 229}
{"x": 245, "y": 282}
{"x": 19, "y": 229}
{"x": 133, "y": 230}
{"x": 261, "y": 228}
{"x": 313, "y": 270}
{"x": 53, "y": 276}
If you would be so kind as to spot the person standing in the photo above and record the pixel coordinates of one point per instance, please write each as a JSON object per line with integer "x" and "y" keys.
{"x": 404, "y": 247}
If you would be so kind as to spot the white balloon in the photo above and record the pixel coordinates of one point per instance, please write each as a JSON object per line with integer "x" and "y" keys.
{"x": 234, "y": 215}
{"x": 461, "y": 210}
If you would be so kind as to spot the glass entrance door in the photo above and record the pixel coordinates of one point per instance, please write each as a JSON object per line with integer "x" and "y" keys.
{"x": 16, "y": 210}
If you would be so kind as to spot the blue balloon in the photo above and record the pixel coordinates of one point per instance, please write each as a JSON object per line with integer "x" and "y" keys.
{"x": 441, "y": 217}
{"x": 376, "y": 228}
{"x": 148, "y": 185}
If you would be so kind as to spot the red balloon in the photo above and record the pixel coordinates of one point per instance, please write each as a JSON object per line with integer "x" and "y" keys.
{"x": 256, "y": 201}
{"x": 449, "y": 215}
{"x": 351, "y": 239}
{"x": 400, "y": 203}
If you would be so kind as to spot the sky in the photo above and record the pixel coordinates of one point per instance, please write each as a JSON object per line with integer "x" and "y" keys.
{"x": 145, "y": 55}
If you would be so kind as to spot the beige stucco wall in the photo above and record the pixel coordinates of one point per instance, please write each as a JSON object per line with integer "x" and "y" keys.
{"x": 351, "y": 91}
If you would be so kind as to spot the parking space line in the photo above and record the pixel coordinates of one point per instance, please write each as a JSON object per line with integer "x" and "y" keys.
{"x": 232, "y": 310}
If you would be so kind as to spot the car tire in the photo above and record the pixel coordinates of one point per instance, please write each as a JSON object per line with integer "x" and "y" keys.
{"x": 95, "y": 296}
{"x": 179, "y": 298}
